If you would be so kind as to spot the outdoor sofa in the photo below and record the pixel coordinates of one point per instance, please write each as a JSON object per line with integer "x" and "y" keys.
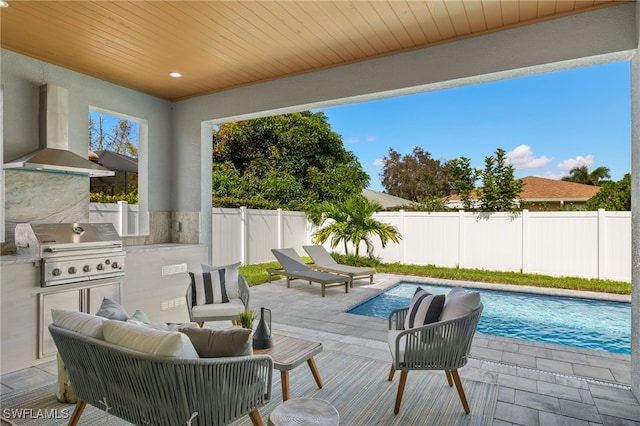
{"x": 166, "y": 385}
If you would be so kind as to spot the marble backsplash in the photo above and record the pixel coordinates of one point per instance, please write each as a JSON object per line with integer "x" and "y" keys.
{"x": 35, "y": 197}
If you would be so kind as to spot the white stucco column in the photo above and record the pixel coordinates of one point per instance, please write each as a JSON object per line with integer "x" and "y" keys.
{"x": 635, "y": 222}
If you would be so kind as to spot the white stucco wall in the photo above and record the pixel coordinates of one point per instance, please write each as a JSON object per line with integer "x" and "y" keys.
{"x": 21, "y": 78}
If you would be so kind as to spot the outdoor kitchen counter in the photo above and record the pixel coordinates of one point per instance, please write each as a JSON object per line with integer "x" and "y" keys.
{"x": 15, "y": 259}
{"x": 159, "y": 247}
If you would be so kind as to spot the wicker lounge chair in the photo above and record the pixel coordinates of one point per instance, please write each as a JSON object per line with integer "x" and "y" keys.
{"x": 295, "y": 268}
{"x": 324, "y": 262}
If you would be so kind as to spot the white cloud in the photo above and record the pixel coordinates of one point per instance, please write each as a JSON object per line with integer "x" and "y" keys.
{"x": 371, "y": 138}
{"x": 572, "y": 163}
{"x": 521, "y": 158}
{"x": 378, "y": 162}
{"x": 352, "y": 139}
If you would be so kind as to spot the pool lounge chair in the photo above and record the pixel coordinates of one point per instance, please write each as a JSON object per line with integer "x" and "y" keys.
{"x": 324, "y": 262}
{"x": 295, "y": 268}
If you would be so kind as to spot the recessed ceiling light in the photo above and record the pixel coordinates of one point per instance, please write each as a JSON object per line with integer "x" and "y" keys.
{"x": 175, "y": 74}
{"x": 4, "y": 4}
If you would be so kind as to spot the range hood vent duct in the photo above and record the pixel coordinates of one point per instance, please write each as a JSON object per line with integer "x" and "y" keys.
{"x": 54, "y": 155}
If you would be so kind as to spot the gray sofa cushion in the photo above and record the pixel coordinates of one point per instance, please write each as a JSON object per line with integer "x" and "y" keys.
{"x": 214, "y": 343}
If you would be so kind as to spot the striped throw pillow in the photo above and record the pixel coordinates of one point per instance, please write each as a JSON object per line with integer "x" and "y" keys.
{"x": 208, "y": 287}
{"x": 425, "y": 308}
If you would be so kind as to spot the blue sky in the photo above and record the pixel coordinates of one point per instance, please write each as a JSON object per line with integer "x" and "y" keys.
{"x": 547, "y": 123}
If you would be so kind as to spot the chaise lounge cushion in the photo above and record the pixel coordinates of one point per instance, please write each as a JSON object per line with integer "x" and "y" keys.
{"x": 214, "y": 343}
{"x": 148, "y": 340}
{"x": 459, "y": 302}
{"x": 231, "y": 273}
{"x": 80, "y": 322}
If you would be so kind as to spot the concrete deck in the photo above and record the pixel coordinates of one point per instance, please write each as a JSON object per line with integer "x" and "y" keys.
{"x": 539, "y": 384}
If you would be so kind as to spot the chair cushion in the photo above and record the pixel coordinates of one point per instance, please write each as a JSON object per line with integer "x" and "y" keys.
{"x": 231, "y": 275}
{"x": 148, "y": 340}
{"x": 425, "y": 308}
{"x": 80, "y": 322}
{"x": 214, "y": 343}
{"x": 233, "y": 307}
{"x": 208, "y": 287}
{"x": 391, "y": 340}
{"x": 113, "y": 310}
{"x": 459, "y": 302}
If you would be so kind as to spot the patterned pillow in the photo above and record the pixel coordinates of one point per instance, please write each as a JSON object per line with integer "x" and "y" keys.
{"x": 231, "y": 273}
{"x": 425, "y": 308}
{"x": 208, "y": 287}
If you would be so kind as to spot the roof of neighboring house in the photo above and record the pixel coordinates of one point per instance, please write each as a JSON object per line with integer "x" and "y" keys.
{"x": 387, "y": 201}
{"x": 543, "y": 189}
{"x": 116, "y": 162}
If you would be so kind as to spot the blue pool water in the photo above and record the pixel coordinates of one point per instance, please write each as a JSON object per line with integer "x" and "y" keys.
{"x": 583, "y": 323}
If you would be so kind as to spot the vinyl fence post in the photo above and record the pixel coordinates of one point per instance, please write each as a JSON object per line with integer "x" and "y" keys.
{"x": 461, "y": 238}
{"x": 525, "y": 241}
{"x": 280, "y": 229}
{"x": 123, "y": 218}
{"x": 243, "y": 235}
{"x": 602, "y": 242}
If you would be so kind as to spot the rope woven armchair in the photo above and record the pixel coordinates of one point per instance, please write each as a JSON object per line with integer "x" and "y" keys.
{"x": 219, "y": 311}
{"x": 443, "y": 345}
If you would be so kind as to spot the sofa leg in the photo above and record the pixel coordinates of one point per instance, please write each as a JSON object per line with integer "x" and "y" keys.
{"x": 75, "y": 417}
{"x": 403, "y": 380}
{"x": 255, "y": 418}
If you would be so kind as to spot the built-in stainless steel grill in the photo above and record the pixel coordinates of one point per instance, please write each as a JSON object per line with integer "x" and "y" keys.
{"x": 72, "y": 252}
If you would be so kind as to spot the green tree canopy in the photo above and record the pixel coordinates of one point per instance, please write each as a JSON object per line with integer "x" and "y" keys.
{"x": 582, "y": 175}
{"x": 414, "y": 176}
{"x": 500, "y": 189}
{"x": 613, "y": 196}
{"x": 463, "y": 179}
{"x": 352, "y": 222}
{"x": 290, "y": 159}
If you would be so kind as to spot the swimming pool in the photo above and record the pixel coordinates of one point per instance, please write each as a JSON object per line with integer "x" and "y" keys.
{"x": 582, "y": 323}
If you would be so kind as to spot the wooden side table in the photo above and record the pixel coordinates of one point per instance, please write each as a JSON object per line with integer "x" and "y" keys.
{"x": 289, "y": 352}
{"x": 304, "y": 411}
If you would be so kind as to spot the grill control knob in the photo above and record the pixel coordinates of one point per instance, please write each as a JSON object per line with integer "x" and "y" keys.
{"x": 56, "y": 272}
{"x": 100, "y": 266}
{"x": 86, "y": 268}
{"x": 107, "y": 261}
{"x": 72, "y": 270}
{"x": 114, "y": 265}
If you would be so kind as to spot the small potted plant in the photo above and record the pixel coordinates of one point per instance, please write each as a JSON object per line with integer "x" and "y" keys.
{"x": 246, "y": 319}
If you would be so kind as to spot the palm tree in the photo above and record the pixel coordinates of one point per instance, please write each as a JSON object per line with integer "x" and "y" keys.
{"x": 582, "y": 175}
{"x": 352, "y": 222}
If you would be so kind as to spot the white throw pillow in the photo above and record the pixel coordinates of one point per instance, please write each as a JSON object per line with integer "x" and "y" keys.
{"x": 80, "y": 322}
{"x": 148, "y": 340}
{"x": 459, "y": 302}
{"x": 231, "y": 277}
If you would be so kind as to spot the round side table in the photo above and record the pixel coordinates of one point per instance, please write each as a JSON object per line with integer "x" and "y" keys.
{"x": 304, "y": 411}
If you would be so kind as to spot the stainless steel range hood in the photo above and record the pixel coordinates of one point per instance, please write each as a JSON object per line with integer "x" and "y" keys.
{"x": 54, "y": 155}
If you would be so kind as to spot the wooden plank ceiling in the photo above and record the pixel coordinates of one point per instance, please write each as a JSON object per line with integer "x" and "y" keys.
{"x": 218, "y": 45}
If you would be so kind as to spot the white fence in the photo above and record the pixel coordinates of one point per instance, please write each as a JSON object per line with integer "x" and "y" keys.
{"x": 581, "y": 244}
{"x": 123, "y": 215}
